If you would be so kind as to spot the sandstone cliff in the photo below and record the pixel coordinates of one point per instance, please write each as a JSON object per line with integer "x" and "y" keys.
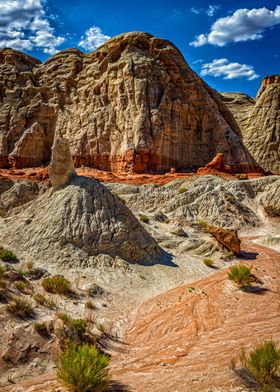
{"x": 262, "y": 131}
{"x": 259, "y": 121}
{"x": 132, "y": 105}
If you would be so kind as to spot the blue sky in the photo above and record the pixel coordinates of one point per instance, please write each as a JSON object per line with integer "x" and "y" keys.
{"x": 231, "y": 44}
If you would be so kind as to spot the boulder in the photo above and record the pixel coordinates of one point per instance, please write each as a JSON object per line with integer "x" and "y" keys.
{"x": 228, "y": 238}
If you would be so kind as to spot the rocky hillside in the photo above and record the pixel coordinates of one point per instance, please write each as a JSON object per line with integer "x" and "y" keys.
{"x": 132, "y": 105}
{"x": 259, "y": 121}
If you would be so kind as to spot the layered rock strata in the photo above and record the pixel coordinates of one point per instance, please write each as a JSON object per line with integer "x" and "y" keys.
{"x": 132, "y": 105}
{"x": 259, "y": 121}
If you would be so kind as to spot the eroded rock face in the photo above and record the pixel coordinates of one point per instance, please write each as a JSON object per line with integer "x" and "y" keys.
{"x": 82, "y": 220}
{"x": 228, "y": 238}
{"x": 132, "y": 105}
{"x": 61, "y": 168}
{"x": 262, "y": 132}
{"x": 259, "y": 121}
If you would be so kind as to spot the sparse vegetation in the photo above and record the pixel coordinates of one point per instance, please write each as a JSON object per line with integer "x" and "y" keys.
{"x": 208, "y": 262}
{"x": 21, "y": 272}
{"x": 101, "y": 328}
{"x": 20, "y": 285}
{"x": 78, "y": 326}
{"x": 7, "y": 255}
{"x": 19, "y": 307}
{"x": 42, "y": 300}
{"x": 182, "y": 190}
{"x": 144, "y": 218}
{"x": 202, "y": 223}
{"x": 89, "y": 304}
{"x": 57, "y": 285}
{"x": 241, "y": 275}
{"x": 41, "y": 328}
{"x": 2, "y": 271}
{"x": 73, "y": 331}
{"x": 84, "y": 369}
{"x": 263, "y": 365}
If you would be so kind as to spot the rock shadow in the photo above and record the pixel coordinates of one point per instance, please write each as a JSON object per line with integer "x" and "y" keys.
{"x": 255, "y": 290}
{"x": 243, "y": 255}
{"x": 118, "y": 386}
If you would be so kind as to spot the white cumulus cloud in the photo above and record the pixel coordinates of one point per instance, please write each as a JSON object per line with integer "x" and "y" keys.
{"x": 93, "y": 38}
{"x": 24, "y": 25}
{"x": 242, "y": 25}
{"x": 223, "y": 68}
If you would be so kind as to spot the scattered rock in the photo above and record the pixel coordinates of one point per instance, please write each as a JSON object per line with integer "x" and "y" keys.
{"x": 228, "y": 238}
{"x": 36, "y": 273}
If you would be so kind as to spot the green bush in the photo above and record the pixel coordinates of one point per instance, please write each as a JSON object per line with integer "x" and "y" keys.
{"x": 19, "y": 307}
{"x": 182, "y": 190}
{"x": 208, "y": 262}
{"x": 78, "y": 326}
{"x": 56, "y": 285}
{"x": 42, "y": 300}
{"x": 144, "y": 218}
{"x": 263, "y": 363}
{"x": 241, "y": 275}
{"x": 20, "y": 285}
{"x": 7, "y": 255}
{"x": 89, "y": 304}
{"x": 202, "y": 223}
{"x": 84, "y": 369}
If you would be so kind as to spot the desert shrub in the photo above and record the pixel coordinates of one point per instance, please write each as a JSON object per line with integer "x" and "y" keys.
{"x": 56, "y": 285}
{"x": 41, "y": 328}
{"x": 28, "y": 265}
{"x": 182, "y": 190}
{"x": 7, "y": 255}
{"x": 84, "y": 369}
{"x": 73, "y": 331}
{"x": 20, "y": 285}
{"x": 19, "y": 307}
{"x": 144, "y": 218}
{"x": 42, "y": 300}
{"x": 78, "y": 326}
{"x": 101, "y": 328}
{"x": 2, "y": 272}
{"x": 202, "y": 223}
{"x": 21, "y": 272}
{"x": 241, "y": 275}
{"x": 208, "y": 262}
{"x": 263, "y": 363}
{"x": 89, "y": 304}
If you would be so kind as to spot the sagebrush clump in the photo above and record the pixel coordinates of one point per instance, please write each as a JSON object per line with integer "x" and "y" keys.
{"x": 241, "y": 275}
{"x": 208, "y": 262}
{"x": 20, "y": 307}
{"x": 144, "y": 218}
{"x": 263, "y": 364}
{"x": 84, "y": 368}
{"x": 7, "y": 255}
{"x": 57, "y": 285}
